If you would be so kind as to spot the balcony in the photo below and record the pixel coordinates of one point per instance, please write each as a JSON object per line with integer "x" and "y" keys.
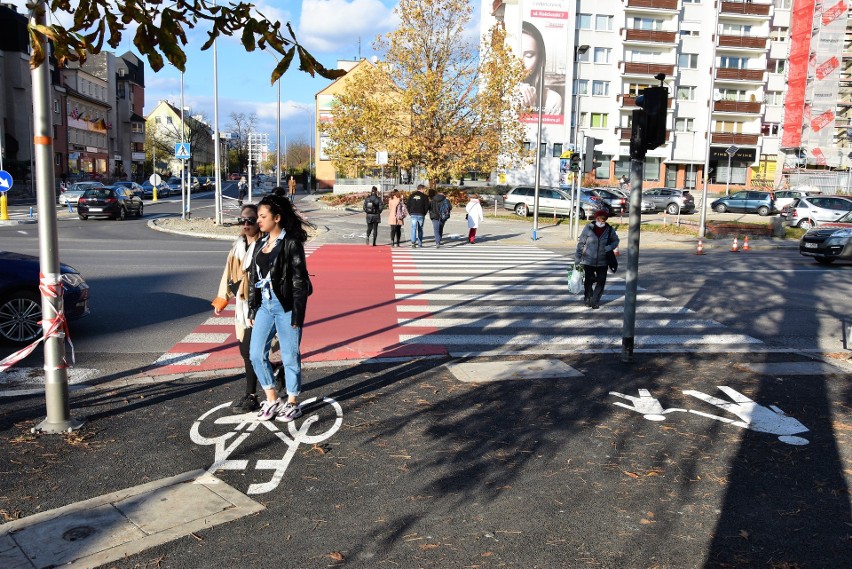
{"x": 745, "y": 9}
{"x": 746, "y": 107}
{"x": 630, "y": 101}
{"x": 730, "y": 138}
{"x": 626, "y": 131}
{"x": 648, "y": 68}
{"x": 655, "y": 4}
{"x": 653, "y": 36}
{"x": 753, "y": 75}
{"x": 746, "y": 42}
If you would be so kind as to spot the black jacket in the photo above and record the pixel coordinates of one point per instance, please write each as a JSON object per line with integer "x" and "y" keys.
{"x": 378, "y": 206}
{"x": 436, "y": 205}
{"x": 290, "y": 281}
{"x": 418, "y": 204}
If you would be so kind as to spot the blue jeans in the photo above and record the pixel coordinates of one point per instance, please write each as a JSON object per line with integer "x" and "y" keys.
{"x": 438, "y": 229}
{"x": 417, "y": 229}
{"x": 272, "y": 318}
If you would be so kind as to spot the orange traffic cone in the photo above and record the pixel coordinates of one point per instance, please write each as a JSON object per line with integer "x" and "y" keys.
{"x": 735, "y": 247}
{"x": 700, "y": 249}
{"x": 745, "y": 244}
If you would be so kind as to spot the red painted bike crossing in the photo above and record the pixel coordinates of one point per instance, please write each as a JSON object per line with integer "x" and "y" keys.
{"x": 352, "y": 315}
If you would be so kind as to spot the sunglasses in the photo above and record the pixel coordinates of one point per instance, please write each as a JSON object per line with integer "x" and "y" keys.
{"x": 246, "y": 220}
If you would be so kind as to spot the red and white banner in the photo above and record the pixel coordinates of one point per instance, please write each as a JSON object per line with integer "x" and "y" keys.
{"x": 797, "y": 72}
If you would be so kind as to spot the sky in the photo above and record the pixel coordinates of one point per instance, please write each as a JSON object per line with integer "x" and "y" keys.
{"x": 330, "y": 29}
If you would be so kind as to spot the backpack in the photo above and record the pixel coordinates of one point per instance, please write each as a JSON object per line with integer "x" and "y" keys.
{"x": 444, "y": 212}
{"x": 369, "y": 205}
{"x": 401, "y": 211}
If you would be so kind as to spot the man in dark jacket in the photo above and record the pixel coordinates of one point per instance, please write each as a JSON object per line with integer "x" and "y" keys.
{"x": 373, "y": 209}
{"x": 439, "y": 213}
{"x": 418, "y": 207}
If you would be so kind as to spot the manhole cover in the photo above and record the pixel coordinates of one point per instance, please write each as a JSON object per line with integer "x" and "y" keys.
{"x": 80, "y": 532}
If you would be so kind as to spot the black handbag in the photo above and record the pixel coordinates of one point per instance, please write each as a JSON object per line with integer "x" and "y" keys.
{"x": 611, "y": 261}
{"x": 234, "y": 286}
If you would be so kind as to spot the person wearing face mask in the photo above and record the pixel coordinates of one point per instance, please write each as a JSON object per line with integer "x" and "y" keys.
{"x": 596, "y": 240}
{"x": 234, "y": 283}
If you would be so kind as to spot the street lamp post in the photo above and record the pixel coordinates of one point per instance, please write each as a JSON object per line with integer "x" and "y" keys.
{"x": 575, "y": 204}
{"x": 277, "y": 130}
{"x": 730, "y": 152}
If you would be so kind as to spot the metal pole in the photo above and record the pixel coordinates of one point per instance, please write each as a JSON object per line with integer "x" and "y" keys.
{"x": 250, "y": 140}
{"x": 217, "y": 156}
{"x": 578, "y": 189}
{"x": 278, "y": 140}
{"x": 728, "y": 177}
{"x": 538, "y": 152}
{"x": 702, "y": 223}
{"x": 58, "y": 418}
{"x": 183, "y": 204}
{"x": 631, "y": 278}
{"x": 311, "y": 156}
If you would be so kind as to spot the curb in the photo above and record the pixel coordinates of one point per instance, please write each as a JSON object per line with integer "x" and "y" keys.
{"x": 152, "y": 223}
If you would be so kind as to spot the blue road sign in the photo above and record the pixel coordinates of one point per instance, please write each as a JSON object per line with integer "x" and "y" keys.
{"x": 182, "y": 150}
{"x": 5, "y": 181}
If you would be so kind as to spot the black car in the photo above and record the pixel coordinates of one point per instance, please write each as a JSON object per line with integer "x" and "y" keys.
{"x": 614, "y": 200}
{"x": 115, "y": 202}
{"x": 133, "y": 186}
{"x": 20, "y": 300}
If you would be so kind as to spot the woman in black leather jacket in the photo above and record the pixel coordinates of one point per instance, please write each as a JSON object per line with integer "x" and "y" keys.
{"x": 279, "y": 287}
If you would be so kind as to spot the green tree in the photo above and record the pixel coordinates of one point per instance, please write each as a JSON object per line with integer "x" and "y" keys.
{"x": 432, "y": 102}
{"x": 161, "y": 31}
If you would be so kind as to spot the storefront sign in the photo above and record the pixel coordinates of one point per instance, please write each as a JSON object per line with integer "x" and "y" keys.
{"x": 742, "y": 155}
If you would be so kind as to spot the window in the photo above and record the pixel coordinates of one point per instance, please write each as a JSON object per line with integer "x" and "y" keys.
{"x": 635, "y": 89}
{"x": 584, "y": 21}
{"x": 783, "y": 4}
{"x": 684, "y": 125}
{"x": 542, "y": 149}
{"x": 602, "y": 172}
{"x": 647, "y": 24}
{"x": 169, "y": 120}
{"x": 774, "y": 98}
{"x": 137, "y": 127}
{"x": 688, "y": 61}
{"x": 779, "y": 33}
{"x": 603, "y": 23}
{"x": 56, "y": 107}
{"x": 734, "y": 30}
{"x": 731, "y": 127}
{"x": 732, "y": 62}
{"x": 732, "y": 95}
{"x": 57, "y": 159}
{"x": 689, "y": 33}
{"x": 599, "y": 120}
{"x": 777, "y": 65}
{"x": 158, "y": 120}
{"x": 600, "y": 88}
{"x": 582, "y": 86}
{"x": 602, "y": 54}
{"x": 557, "y": 149}
{"x": 640, "y": 56}
{"x": 692, "y": 1}
{"x": 527, "y": 145}
{"x": 770, "y": 129}
{"x": 652, "y": 168}
{"x": 686, "y": 93}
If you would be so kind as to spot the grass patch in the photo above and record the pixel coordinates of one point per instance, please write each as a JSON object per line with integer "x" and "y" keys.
{"x": 668, "y": 229}
{"x": 794, "y": 232}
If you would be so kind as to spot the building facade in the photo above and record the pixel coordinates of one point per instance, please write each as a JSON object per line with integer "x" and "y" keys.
{"x": 164, "y": 124}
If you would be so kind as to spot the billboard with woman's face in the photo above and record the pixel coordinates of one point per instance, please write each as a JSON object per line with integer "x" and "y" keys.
{"x": 543, "y": 49}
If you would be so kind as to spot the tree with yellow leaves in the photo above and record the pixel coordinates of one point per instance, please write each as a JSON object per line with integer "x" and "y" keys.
{"x": 432, "y": 102}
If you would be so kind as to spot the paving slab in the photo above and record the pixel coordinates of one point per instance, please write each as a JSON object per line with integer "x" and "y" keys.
{"x": 483, "y": 372}
{"x": 110, "y": 527}
{"x": 794, "y": 368}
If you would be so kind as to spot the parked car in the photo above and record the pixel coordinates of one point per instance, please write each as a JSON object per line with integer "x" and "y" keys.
{"x": 670, "y": 200}
{"x": 520, "y": 200}
{"x": 761, "y": 203}
{"x": 20, "y": 300}
{"x": 174, "y": 185}
{"x": 646, "y": 207}
{"x": 73, "y": 193}
{"x": 116, "y": 202}
{"x": 207, "y": 183}
{"x": 163, "y": 190}
{"x": 831, "y": 241}
{"x": 234, "y": 176}
{"x": 784, "y": 198}
{"x": 133, "y": 186}
{"x": 808, "y": 211}
{"x": 613, "y": 198}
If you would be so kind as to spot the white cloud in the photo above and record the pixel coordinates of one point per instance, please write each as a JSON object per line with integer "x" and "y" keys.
{"x": 335, "y": 25}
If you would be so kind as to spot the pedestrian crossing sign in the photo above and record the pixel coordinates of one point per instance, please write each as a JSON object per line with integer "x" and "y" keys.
{"x": 182, "y": 150}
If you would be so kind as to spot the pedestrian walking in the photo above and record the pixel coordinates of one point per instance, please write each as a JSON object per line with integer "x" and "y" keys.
{"x": 396, "y": 216}
{"x": 418, "y": 207}
{"x": 291, "y": 185}
{"x": 235, "y": 284}
{"x": 474, "y": 217}
{"x": 279, "y": 287}
{"x": 596, "y": 240}
{"x": 242, "y": 189}
{"x": 439, "y": 213}
{"x": 373, "y": 208}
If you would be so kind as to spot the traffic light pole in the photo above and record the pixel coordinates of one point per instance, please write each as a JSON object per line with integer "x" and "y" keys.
{"x": 637, "y": 173}
{"x": 538, "y": 155}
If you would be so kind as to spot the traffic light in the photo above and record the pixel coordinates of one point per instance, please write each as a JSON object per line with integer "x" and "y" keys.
{"x": 655, "y": 102}
{"x": 575, "y": 162}
{"x": 589, "y": 162}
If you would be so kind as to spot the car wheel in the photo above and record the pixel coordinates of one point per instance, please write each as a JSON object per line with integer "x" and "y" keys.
{"x": 805, "y": 223}
{"x": 522, "y": 209}
{"x": 20, "y": 317}
{"x": 582, "y": 214}
{"x": 84, "y": 217}
{"x": 141, "y": 210}
{"x": 823, "y": 260}
{"x": 721, "y": 208}
{"x": 763, "y": 211}
{"x": 672, "y": 209}
{"x": 121, "y": 215}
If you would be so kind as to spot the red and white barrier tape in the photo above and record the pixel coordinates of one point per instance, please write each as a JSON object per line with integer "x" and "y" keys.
{"x": 50, "y": 286}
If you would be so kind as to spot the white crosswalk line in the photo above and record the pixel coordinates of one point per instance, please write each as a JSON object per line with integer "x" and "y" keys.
{"x": 497, "y": 301}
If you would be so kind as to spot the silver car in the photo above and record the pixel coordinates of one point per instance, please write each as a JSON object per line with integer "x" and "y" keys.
{"x": 550, "y": 201}
{"x": 670, "y": 200}
{"x": 810, "y": 211}
{"x": 73, "y": 193}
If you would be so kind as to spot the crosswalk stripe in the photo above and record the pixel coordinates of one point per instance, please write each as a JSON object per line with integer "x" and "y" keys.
{"x": 575, "y": 307}
{"x": 570, "y": 325}
{"x": 496, "y": 286}
{"x": 511, "y": 297}
{"x": 571, "y": 340}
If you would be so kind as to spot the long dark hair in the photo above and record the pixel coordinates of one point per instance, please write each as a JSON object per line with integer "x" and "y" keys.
{"x": 293, "y": 224}
{"x": 540, "y": 54}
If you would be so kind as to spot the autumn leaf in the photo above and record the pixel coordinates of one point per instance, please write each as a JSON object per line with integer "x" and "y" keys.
{"x": 744, "y": 534}
{"x": 337, "y": 556}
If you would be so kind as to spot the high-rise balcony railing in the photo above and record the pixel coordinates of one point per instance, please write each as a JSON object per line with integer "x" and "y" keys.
{"x": 745, "y": 8}
{"x": 754, "y": 75}
{"x": 654, "y": 36}
{"x": 743, "y": 41}
{"x": 630, "y": 101}
{"x": 626, "y": 130}
{"x": 658, "y": 4}
{"x": 648, "y": 68}
{"x": 731, "y": 138}
{"x": 736, "y": 107}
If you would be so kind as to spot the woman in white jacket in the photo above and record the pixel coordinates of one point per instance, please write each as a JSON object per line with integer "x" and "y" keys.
{"x": 235, "y": 284}
{"x": 474, "y": 217}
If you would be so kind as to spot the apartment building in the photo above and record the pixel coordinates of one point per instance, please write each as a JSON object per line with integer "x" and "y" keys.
{"x": 724, "y": 65}
{"x": 164, "y": 124}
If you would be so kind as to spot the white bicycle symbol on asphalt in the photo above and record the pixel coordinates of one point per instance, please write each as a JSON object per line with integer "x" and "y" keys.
{"x": 245, "y": 425}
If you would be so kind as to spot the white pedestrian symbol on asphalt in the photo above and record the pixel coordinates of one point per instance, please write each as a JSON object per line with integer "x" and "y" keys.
{"x": 752, "y": 416}
{"x": 245, "y": 424}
